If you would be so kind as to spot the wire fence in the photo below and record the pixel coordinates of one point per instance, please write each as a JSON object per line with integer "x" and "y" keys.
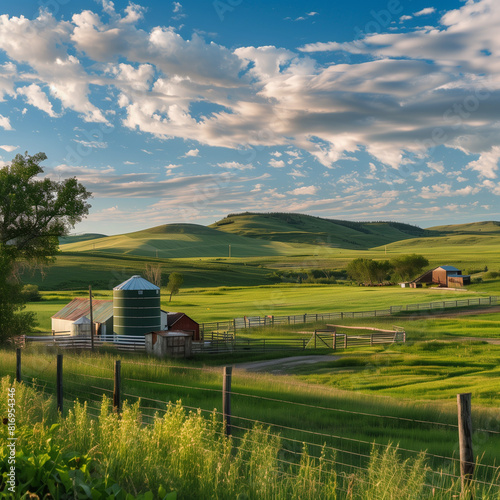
{"x": 348, "y": 435}
{"x": 238, "y": 324}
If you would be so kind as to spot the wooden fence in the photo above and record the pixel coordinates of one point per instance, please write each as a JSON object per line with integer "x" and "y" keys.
{"x": 236, "y": 324}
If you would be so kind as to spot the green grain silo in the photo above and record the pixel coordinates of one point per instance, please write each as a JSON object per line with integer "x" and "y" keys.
{"x": 136, "y": 307}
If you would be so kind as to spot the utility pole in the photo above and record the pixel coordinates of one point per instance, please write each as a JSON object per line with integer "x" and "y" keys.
{"x": 91, "y": 320}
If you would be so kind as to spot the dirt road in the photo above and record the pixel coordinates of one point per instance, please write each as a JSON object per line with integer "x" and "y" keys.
{"x": 283, "y": 365}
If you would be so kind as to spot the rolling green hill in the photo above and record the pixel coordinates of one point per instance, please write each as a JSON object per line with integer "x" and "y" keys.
{"x": 75, "y": 238}
{"x": 298, "y": 228}
{"x": 187, "y": 241}
{"x": 261, "y": 244}
{"x": 470, "y": 228}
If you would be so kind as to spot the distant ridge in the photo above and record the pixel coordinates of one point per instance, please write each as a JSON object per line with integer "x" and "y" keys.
{"x": 299, "y": 228}
{"x": 75, "y": 238}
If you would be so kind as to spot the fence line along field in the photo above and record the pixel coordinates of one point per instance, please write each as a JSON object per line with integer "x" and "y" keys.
{"x": 226, "y": 303}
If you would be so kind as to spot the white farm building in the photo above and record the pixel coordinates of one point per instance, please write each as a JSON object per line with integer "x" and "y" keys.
{"x": 74, "y": 318}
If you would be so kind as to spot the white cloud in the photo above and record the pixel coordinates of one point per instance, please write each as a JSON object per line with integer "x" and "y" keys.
{"x": 405, "y": 18}
{"x": 304, "y": 190}
{"x": 192, "y": 153}
{"x": 425, "y": 12}
{"x": 5, "y": 123}
{"x": 487, "y": 164}
{"x": 445, "y": 190}
{"x": 276, "y": 163}
{"x": 177, "y": 7}
{"x": 436, "y": 166}
{"x": 494, "y": 187}
{"x": 9, "y": 149}
{"x": 234, "y": 165}
{"x": 296, "y": 173}
{"x": 395, "y": 101}
{"x": 92, "y": 144}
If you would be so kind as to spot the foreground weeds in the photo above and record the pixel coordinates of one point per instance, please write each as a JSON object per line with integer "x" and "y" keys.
{"x": 182, "y": 455}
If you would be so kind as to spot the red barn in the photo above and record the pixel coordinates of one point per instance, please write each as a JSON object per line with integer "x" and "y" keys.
{"x": 182, "y": 322}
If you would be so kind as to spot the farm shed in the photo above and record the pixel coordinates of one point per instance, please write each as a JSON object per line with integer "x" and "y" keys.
{"x": 79, "y": 308}
{"x": 74, "y": 318}
{"x": 444, "y": 276}
{"x": 166, "y": 344}
{"x": 182, "y": 322}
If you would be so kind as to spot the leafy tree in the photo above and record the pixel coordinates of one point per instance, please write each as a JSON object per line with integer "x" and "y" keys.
{"x": 175, "y": 281}
{"x": 31, "y": 293}
{"x": 34, "y": 213}
{"x": 407, "y": 267}
{"x": 368, "y": 270}
{"x": 13, "y": 320}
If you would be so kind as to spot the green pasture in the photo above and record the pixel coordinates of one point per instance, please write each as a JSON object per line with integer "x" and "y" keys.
{"x": 357, "y": 407}
{"x": 225, "y": 303}
{"x": 93, "y": 452}
{"x": 419, "y": 372}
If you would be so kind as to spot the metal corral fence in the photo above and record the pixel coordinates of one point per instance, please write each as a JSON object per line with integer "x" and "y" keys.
{"x": 236, "y": 324}
{"x": 120, "y": 342}
{"x": 320, "y": 339}
{"x": 220, "y": 343}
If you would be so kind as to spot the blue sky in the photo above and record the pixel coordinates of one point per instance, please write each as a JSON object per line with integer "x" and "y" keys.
{"x": 187, "y": 111}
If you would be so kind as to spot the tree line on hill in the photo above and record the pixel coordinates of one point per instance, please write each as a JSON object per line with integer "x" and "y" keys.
{"x": 403, "y": 268}
{"x": 365, "y": 271}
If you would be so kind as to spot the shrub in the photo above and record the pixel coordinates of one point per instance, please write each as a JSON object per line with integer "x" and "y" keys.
{"x": 31, "y": 293}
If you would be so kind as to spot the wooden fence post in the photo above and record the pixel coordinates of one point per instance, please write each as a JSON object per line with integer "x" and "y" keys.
{"x": 117, "y": 387}
{"x": 59, "y": 383}
{"x": 467, "y": 463}
{"x": 315, "y": 334}
{"x": 345, "y": 341}
{"x": 334, "y": 340}
{"x": 18, "y": 365}
{"x": 371, "y": 339}
{"x": 226, "y": 398}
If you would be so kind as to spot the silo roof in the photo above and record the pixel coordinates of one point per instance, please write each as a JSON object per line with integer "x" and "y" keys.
{"x": 136, "y": 283}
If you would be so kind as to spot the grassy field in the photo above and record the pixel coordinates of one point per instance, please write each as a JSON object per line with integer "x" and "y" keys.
{"x": 303, "y": 407}
{"x": 180, "y": 455}
{"x": 225, "y": 303}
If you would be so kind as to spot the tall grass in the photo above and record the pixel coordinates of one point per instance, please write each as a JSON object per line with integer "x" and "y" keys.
{"x": 184, "y": 455}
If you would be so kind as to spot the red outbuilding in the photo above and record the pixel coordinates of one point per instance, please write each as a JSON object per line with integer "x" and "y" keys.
{"x": 182, "y": 322}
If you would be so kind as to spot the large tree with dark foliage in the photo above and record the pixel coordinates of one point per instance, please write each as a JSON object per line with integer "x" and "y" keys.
{"x": 34, "y": 212}
{"x": 407, "y": 267}
{"x": 368, "y": 271}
